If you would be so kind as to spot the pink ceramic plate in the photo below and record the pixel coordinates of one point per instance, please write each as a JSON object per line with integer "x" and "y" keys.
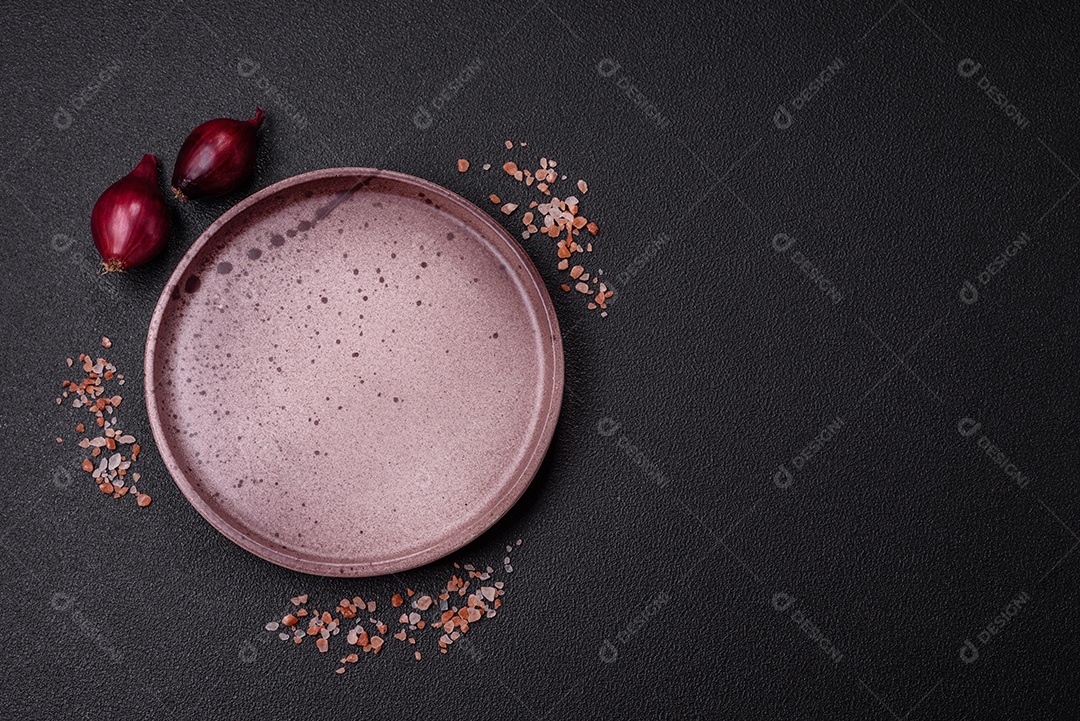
{"x": 353, "y": 372}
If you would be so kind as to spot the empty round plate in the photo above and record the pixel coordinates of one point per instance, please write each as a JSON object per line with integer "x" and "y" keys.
{"x": 353, "y": 372}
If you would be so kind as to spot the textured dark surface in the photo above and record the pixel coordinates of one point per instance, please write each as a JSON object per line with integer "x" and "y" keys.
{"x": 899, "y": 540}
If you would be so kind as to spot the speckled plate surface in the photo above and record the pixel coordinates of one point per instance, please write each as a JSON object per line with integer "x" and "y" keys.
{"x": 353, "y": 372}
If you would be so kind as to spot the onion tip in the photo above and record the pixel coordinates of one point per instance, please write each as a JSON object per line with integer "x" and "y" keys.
{"x": 111, "y": 266}
{"x": 257, "y": 121}
{"x": 179, "y": 194}
{"x": 146, "y": 169}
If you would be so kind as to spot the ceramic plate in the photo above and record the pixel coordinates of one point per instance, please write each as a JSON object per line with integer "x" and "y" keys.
{"x": 353, "y": 372}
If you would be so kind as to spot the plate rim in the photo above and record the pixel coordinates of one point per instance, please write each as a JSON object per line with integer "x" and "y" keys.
{"x": 540, "y": 439}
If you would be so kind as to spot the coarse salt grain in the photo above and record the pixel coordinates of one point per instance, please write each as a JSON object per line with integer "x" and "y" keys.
{"x": 449, "y": 621}
{"x": 89, "y": 393}
{"x": 562, "y": 219}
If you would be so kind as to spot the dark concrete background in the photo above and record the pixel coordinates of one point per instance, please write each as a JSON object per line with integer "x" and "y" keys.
{"x": 793, "y": 196}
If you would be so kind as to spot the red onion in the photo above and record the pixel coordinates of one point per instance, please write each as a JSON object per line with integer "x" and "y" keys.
{"x": 216, "y": 158}
{"x": 130, "y": 222}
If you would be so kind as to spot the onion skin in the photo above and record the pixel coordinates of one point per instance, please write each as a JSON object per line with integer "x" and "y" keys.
{"x": 216, "y": 158}
{"x": 130, "y": 221}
